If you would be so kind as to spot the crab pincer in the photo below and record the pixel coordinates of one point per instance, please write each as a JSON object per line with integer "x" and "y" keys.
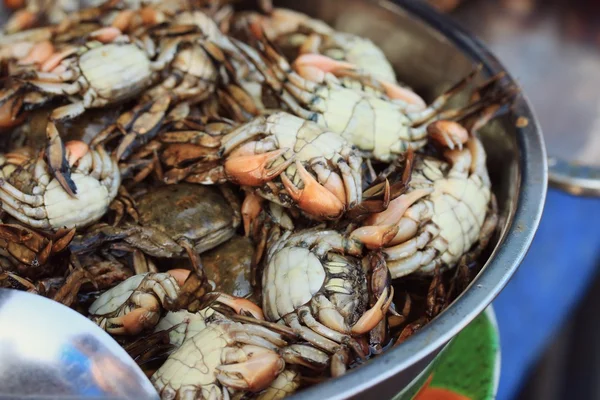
{"x": 57, "y": 160}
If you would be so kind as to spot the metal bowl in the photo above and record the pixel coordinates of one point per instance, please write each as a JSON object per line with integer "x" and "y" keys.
{"x": 429, "y": 52}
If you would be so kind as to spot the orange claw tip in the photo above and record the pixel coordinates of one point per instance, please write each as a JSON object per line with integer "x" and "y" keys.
{"x": 39, "y": 53}
{"x": 7, "y": 119}
{"x": 122, "y": 20}
{"x": 450, "y": 134}
{"x": 135, "y": 321}
{"x": 251, "y": 207}
{"x": 397, "y": 92}
{"x": 397, "y": 208}
{"x": 253, "y": 375}
{"x": 375, "y": 314}
{"x": 106, "y": 34}
{"x": 253, "y": 170}
{"x": 149, "y": 16}
{"x": 180, "y": 275}
{"x": 22, "y": 19}
{"x": 241, "y": 305}
{"x": 55, "y": 59}
{"x": 314, "y": 198}
{"x": 14, "y": 4}
{"x": 375, "y": 237}
{"x": 324, "y": 63}
{"x": 75, "y": 150}
{"x": 315, "y": 66}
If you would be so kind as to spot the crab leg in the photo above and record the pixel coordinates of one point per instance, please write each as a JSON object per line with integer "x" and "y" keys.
{"x": 321, "y": 329}
{"x": 306, "y": 356}
{"x": 440, "y": 102}
{"x": 373, "y": 316}
{"x": 310, "y": 336}
{"x": 251, "y": 208}
{"x": 405, "y": 266}
{"x": 375, "y": 236}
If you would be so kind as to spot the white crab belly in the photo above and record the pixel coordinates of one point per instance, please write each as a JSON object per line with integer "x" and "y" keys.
{"x": 115, "y": 72}
{"x": 368, "y": 122}
{"x": 459, "y": 213}
{"x": 114, "y": 298}
{"x": 194, "y": 364}
{"x": 291, "y": 279}
{"x": 89, "y": 205}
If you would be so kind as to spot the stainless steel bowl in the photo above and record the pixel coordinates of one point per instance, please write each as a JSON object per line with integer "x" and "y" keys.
{"x": 429, "y": 52}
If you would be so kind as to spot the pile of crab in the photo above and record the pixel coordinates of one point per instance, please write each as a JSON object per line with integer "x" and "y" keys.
{"x": 248, "y": 201}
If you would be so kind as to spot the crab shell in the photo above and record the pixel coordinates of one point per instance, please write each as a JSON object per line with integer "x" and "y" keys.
{"x": 191, "y": 212}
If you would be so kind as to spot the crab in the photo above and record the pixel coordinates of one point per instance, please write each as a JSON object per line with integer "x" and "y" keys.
{"x": 448, "y": 208}
{"x": 174, "y": 221}
{"x": 111, "y": 70}
{"x": 27, "y": 251}
{"x": 185, "y": 149}
{"x": 31, "y": 195}
{"x": 275, "y": 153}
{"x": 304, "y": 35}
{"x": 229, "y": 266}
{"x": 313, "y": 281}
{"x": 223, "y": 355}
{"x": 381, "y": 126}
{"x": 218, "y": 356}
{"x": 137, "y": 303}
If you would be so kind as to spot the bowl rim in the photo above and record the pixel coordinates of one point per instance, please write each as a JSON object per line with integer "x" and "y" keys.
{"x": 506, "y": 257}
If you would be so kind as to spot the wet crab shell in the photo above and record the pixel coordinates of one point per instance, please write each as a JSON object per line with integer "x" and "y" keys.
{"x": 191, "y": 212}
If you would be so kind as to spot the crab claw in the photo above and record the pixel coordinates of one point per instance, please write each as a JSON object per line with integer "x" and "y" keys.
{"x": 449, "y": 134}
{"x": 314, "y": 67}
{"x": 253, "y": 170}
{"x": 374, "y": 315}
{"x": 39, "y": 53}
{"x": 133, "y": 322}
{"x": 255, "y": 374}
{"x": 397, "y": 92}
{"x": 74, "y": 150}
{"x": 21, "y": 20}
{"x": 8, "y": 114}
{"x": 313, "y": 198}
{"x": 251, "y": 207}
{"x": 397, "y": 208}
{"x": 106, "y": 34}
{"x": 241, "y": 305}
{"x": 375, "y": 237}
{"x": 57, "y": 160}
{"x": 179, "y": 274}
